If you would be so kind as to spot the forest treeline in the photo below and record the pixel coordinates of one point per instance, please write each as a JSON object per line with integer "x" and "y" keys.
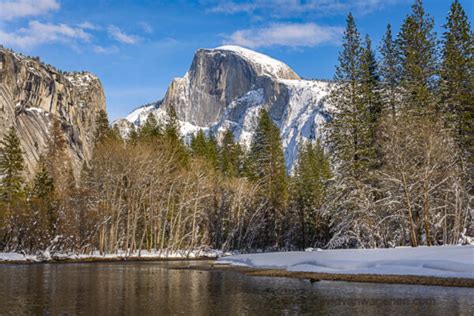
{"x": 394, "y": 167}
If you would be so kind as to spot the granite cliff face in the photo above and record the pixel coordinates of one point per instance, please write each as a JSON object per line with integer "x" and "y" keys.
{"x": 225, "y": 88}
{"x": 219, "y": 76}
{"x": 32, "y": 94}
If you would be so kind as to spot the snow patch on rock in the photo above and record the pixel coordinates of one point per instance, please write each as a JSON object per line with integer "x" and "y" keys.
{"x": 264, "y": 64}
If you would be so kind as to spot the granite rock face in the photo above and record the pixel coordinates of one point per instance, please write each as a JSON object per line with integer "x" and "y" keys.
{"x": 219, "y": 76}
{"x": 32, "y": 94}
{"x": 225, "y": 88}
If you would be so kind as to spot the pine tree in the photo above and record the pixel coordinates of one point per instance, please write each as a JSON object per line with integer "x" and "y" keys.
{"x": 102, "y": 127}
{"x": 212, "y": 151}
{"x": 151, "y": 129}
{"x": 457, "y": 84}
{"x": 309, "y": 191}
{"x": 11, "y": 168}
{"x": 371, "y": 101}
{"x": 229, "y": 155}
{"x": 172, "y": 126}
{"x": 390, "y": 71}
{"x": 205, "y": 147}
{"x": 352, "y": 141}
{"x": 418, "y": 56}
{"x": 172, "y": 136}
{"x": 267, "y": 168}
{"x": 199, "y": 144}
{"x": 43, "y": 196}
{"x": 43, "y": 184}
{"x": 348, "y": 130}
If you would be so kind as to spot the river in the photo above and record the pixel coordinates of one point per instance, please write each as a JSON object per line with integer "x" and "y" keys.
{"x": 158, "y": 288}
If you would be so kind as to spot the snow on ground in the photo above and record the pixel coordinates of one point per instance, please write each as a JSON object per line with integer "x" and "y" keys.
{"x": 445, "y": 261}
{"x": 47, "y": 256}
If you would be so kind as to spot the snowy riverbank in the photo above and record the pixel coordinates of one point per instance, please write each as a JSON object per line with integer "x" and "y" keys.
{"x": 12, "y": 257}
{"x": 443, "y": 262}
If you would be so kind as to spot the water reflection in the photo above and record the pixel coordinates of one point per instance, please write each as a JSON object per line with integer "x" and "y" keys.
{"x": 156, "y": 288}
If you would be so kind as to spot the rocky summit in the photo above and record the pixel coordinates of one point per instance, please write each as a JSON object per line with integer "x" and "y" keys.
{"x": 225, "y": 88}
{"x": 32, "y": 94}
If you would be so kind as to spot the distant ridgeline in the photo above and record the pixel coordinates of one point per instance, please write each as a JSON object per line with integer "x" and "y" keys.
{"x": 243, "y": 154}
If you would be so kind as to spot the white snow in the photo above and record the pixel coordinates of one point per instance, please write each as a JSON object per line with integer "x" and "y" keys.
{"x": 264, "y": 64}
{"x": 140, "y": 115}
{"x": 305, "y": 115}
{"x": 13, "y": 256}
{"x": 165, "y": 254}
{"x": 81, "y": 79}
{"x": 443, "y": 261}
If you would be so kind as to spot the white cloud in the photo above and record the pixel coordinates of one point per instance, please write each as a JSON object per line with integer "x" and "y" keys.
{"x": 39, "y": 33}
{"x": 147, "y": 28}
{"x": 286, "y": 34}
{"x": 88, "y": 26}
{"x": 105, "y": 50}
{"x": 230, "y": 7}
{"x": 302, "y": 8}
{"x": 11, "y": 9}
{"x": 120, "y": 36}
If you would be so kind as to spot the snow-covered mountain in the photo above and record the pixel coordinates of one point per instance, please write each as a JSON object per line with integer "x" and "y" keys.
{"x": 225, "y": 88}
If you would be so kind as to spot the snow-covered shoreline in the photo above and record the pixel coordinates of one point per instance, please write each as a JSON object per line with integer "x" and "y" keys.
{"x": 444, "y": 261}
{"x": 13, "y": 257}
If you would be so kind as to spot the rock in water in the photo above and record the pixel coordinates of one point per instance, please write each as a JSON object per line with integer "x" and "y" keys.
{"x": 32, "y": 94}
{"x": 225, "y": 89}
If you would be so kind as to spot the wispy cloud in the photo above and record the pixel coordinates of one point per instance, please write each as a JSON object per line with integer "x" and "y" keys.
{"x": 285, "y": 34}
{"x": 117, "y": 34}
{"x": 11, "y": 9}
{"x": 40, "y": 33}
{"x": 147, "y": 28}
{"x": 88, "y": 26}
{"x": 299, "y": 8}
{"x": 105, "y": 50}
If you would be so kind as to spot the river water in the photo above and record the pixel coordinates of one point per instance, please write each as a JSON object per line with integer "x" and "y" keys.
{"x": 158, "y": 288}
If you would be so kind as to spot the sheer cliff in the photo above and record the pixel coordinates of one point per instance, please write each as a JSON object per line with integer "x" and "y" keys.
{"x": 32, "y": 94}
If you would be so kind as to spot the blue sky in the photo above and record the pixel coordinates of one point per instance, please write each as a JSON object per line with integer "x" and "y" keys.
{"x": 138, "y": 47}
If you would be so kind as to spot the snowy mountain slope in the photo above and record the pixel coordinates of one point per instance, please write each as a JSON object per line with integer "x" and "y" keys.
{"x": 226, "y": 87}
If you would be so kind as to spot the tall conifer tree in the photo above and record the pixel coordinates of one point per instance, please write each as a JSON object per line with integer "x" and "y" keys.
{"x": 349, "y": 132}
{"x": 11, "y": 168}
{"x": 308, "y": 193}
{"x": 172, "y": 135}
{"x": 457, "y": 73}
{"x": 229, "y": 155}
{"x": 390, "y": 71}
{"x": 418, "y": 55}
{"x": 371, "y": 102}
{"x": 267, "y": 167}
